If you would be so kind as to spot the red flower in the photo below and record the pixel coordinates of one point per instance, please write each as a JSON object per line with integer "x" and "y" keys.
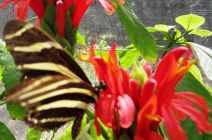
{"x": 63, "y": 7}
{"x": 77, "y": 8}
{"x": 171, "y": 106}
{"x": 115, "y": 106}
{"x": 21, "y": 7}
{"x": 109, "y": 5}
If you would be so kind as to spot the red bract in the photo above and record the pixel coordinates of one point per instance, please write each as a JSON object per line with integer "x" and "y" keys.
{"x": 20, "y": 7}
{"x": 109, "y": 5}
{"x": 172, "y": 106}
{"x": 74, "y": 8}
{"x": 77, "y": 8}
{"x": 115, "y": 106}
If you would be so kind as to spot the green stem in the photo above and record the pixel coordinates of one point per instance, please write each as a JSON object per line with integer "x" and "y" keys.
{"x": 103, "y": 131}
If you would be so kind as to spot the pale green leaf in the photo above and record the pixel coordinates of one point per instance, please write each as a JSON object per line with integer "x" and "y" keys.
{"x": 151, "y": 29}
{"x": 67, "y": 133}
{"x": 80, "y": 39}
{"x": 201, "y": 32}
{"x": 196, "y": 73}
{"x": 33, "y": 134}
{"x": 84, "y": 133}
{"x": 129, "y": 58}
{"x": 204, "y": 56}
{"x": 190, "y": 21}
{"x": 162, "y": 28}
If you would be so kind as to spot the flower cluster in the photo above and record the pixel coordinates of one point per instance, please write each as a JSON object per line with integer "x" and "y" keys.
{"x": 127, "y": 104}
{"x": 74, "y": 9}
{"x": 126, "y": 101}
{"x": 77, "y": 9}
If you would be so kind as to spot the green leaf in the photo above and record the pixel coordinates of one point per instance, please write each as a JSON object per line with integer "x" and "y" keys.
{"x": 196, "y": 73}
{"x": 190, "y": 21}
{"x": 81, "y": 39}
{"x": 190, "y": 130}
{"x": 201, "y": 32}
{"x": 93, "y": 133}
{"x": 48, "y": 23}
{"x": 11, "y": 75}
{"x": 16, "y": 111}
{"x": 151, "y": 29}
{"x": 187, "y": 84}
{"x": 67, "y": 133}
{"x": 129, "y": 57}
{"x": 84, "y": 132}
{"x": 190, "y": 84}
{"x": 5, "y": 133}
{"x": 33, "y": 134}
{"x": 204, "y": 56}
{"x": 162, "y": 28}
{"x": 138, "y": 34}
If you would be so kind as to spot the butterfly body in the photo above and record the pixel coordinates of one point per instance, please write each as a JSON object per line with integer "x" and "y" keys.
{"x": 53, "y": 87}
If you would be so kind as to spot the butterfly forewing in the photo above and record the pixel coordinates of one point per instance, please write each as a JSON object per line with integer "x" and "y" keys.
{"x": 54, "y": 89}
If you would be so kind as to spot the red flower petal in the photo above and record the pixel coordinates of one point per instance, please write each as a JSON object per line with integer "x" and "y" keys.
{"x": 80, "y": 6}
{"x": 195, "y": 115}
{"x": 105, "y": 108}
{"x": 126, "y": 110}
{"x": 60, "y": 17}
{"x": 38, "y": 7}
{"x": 172, "y": 125}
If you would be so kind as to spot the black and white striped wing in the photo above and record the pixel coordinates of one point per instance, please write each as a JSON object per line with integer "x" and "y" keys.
{"x": 54, "y": 89}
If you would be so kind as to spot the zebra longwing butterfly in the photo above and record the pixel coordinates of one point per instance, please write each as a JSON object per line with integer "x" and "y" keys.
{"x": 53, "y": 87}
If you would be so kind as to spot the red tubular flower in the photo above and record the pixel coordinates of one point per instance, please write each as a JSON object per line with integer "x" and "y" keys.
{"x": 21, "y": 7}
{"x": 109, "y": 5}
{"x": 38, "y": 7}
{"x": 147, "y": 118}
{"x": 77, "y": 8}
{"x": 115, "y": 106}
{"x": 174, "y": 106}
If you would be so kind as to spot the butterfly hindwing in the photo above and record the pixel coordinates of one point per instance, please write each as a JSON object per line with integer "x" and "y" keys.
{"x": 54, "y": 89}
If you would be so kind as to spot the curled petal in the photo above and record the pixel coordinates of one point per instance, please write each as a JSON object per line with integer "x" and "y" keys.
{"x": 194, "y": 99}
{"x": 199, "y": 118}
{"x": 148, "y": 90}
{"x": 126, "y": 110}
{"x": 170, "y": 120}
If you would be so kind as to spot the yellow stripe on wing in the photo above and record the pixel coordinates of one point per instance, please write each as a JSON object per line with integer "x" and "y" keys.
{"x": 47, "y": 66}
{"x": 28, "y": 88}
{"x": 57, "y": 93}
{"x": 37, "y": 47}
{"x": 46, "y": 88}
{"x": 63, "y": 104}
{"x": 19, "y": 32}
